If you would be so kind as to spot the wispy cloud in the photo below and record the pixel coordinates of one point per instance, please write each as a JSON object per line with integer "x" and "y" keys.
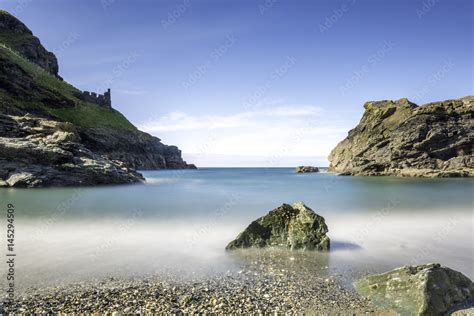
{"x": 131, "y": 91}
{"x": 180, "y": 121}
{"x": 264, "y": 136}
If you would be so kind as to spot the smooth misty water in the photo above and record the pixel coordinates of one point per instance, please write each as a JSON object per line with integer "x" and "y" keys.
{"x": 180, "y": 222}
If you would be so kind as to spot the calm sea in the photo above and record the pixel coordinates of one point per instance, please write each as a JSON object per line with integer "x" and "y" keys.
{"x": 180, "y": 222}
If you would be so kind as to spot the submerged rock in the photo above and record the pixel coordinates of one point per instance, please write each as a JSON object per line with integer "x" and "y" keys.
{"x": 292, "y": 226}
{"x": 305, "y": 169}
{"x": 418, "y": 290}
{"x": 401, "y": 138}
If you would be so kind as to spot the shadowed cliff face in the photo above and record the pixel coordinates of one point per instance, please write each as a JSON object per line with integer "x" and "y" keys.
{"x": 17, "y": 36}
{"x": 403, "y": 139}
{"x": 137, "y": 149}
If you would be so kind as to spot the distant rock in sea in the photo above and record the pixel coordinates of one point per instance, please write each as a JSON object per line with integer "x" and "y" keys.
{"x": 306, "y": 169}
{"x": 418, "y": 290}
{"x": 292, "y": 226}
{"x": 401, "y": 138}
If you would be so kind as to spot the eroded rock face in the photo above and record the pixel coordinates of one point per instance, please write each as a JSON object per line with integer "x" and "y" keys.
{"x": 137, "y": 149}
{"x": 306, "y": 169}
{"x": 418, "y": 290}
{"x": 19, "y": 37}
{"x": 36, "y": 152}
{"x": 292, "y": 226}
{"x": 402, "y": 139}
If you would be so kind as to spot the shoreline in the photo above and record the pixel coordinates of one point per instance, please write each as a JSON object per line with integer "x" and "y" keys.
{"x": 265, "y": 284}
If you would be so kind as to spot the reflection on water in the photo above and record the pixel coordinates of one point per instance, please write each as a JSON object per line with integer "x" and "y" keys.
{"x": 180, "y": 222}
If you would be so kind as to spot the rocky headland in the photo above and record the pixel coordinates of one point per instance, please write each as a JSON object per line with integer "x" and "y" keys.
{"x": 400, "y": 138}
{"x": 137, "y": 149}
{"x": 53, "y": 134}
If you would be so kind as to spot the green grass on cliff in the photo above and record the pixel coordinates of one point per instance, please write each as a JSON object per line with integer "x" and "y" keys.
{"x": 41, "y": 76}
{"x": 90, "y": 116}
{"x": 14, "y": 39}
{"x": 83, "y": 114}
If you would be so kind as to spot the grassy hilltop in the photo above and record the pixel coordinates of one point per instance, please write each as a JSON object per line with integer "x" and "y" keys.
{"x": 27, "y": 87}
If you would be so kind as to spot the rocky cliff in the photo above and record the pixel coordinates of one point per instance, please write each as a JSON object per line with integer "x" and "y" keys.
{"x": 38, "y": 152}
{"x": 137, "y": 149}
{"x": 32, "y": 91}
{"x": 401, "y": 138}
{"x": 17, "y": 36}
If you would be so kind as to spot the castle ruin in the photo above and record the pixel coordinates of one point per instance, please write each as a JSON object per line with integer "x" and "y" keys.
{"x": 103, "y": 100}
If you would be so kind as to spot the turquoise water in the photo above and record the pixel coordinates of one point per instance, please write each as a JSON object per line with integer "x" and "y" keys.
{"x": 180, "y": 222}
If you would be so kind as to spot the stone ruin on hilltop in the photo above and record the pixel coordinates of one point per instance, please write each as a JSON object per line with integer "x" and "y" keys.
{"x": 103, "y": 100}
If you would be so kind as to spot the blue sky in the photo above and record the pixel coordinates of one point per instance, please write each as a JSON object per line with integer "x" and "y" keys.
{"x": 261, "y": 82}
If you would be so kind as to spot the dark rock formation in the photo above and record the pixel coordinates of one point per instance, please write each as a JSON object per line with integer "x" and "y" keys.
{"x": 36, "y": 152}
{"x": 18, "y": 37}
{"x": 421, "y": 290}
{"x": 402, "y": 139}
{"x": 137, "y": 149}
{"x": 306, "y": 169}
{"x": 292, "y": 226}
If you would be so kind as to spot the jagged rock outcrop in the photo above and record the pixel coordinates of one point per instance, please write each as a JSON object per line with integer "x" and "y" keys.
{"x": 306, "y": 169}
{"x": 137, "y": 149}
{"x": 36, "y": 152}
{"x": 403, "y": 139}
{"x": 292, "y": 226}
{"x": 19, "y": 37}
{"x": 418, "y": 290}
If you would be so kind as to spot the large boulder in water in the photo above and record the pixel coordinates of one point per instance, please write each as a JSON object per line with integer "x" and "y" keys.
{"x": 418, "y": 290}
{"x": 293, "y": 226}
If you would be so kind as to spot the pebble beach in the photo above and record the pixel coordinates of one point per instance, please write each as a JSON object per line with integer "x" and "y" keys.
{"x": 268, "y": 282}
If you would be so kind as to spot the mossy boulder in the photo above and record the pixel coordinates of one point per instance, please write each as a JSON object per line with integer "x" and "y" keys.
{"x": 292, "y": 226}
{"x": 418, "y": 290}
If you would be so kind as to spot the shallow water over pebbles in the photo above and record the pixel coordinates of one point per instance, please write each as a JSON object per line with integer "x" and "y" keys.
{"x": 180, "y": 221}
